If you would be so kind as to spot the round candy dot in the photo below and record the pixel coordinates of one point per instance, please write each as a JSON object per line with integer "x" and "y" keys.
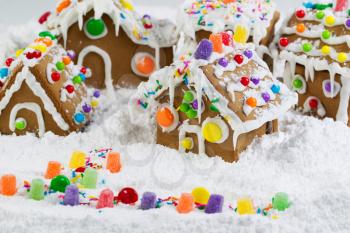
{"x": 29, "y": 55}
{"x": 59, "y": 183}
{"x": 195, "y": 104}
{"x": 36, "y": 54}
{"x": 87, "y": 108}
{"x": 342, "y": 57}
{"x": 79, "y": 117}
{"x": 9, "y": 61}
{"x": 77, "y": 79}
{"x": 313, "y": 103}
{"x": 97, "y": 94}
{"x": 223, "y": 62}
{"x": 71, "y": 54}
{"x": 165, "y": 117}
{"x": 83, "y": 77}
{"x": 330, "y": 20}
{"x": 320, "y": 15}
{"x": 55, "y": 76}
{"x": 245, "y": 81}
{"x": 326, "y": 34}
{"x": 328, "y": 87}
{"x": 20, "y": 124}
{"x": 70, "y": 89}
{"x": 307, "y": 47}
{"x": 212, "y": 132}
{"x": 266, "y": 96}
{"x": 66, "y": 60}
{"x": 226, "y": 38}
{"x": 248, "y": 54}
{"x": 347, "y": 23}
{"x": 255, "y": 80}
{"x": 188, "y": 97}
{"x": 191, "y": 113}
{"x": 300, "y": 13}
{"x": 297, "y": 83}
{"x": 275, "y": 89}
{"x": 184, "y": 107}
{"x": 145, "y": 65}
{"x": 201, "y": 195}
{"x": 300, "y": 27}
{"x": 47, "y": 41}
{"x": 60, "y": 66}
{"x": 187, "y": 143}
{"x": 326, "y": 50}
{"x": 83, "y": 70}
{"x": 4, "y": 72}
{"x": 238, "y": 58}
{"x": 252, "y": 102}
{"x": 95, "y": 27}
{"x": 284, "y": 42}
{"x": 94, "y": 103}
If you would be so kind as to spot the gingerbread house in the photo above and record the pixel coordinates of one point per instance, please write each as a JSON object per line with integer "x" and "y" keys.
{"x": 121, "y": 47}
{"x": 214, "y": 102}
{"x": 42, "y": 90}
{"x": 197, "y": 19}
{"x": 312, "y": 55}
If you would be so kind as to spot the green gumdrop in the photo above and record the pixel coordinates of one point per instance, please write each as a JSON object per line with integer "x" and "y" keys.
{"x": 188, "y": 96}
{"x": 90, "y": 178}
{"x": 37, "y": 190}
{"x": 213, "y": 108}
{"x": 184, "y": 107}
{"x": 77, "y": 79}
{"x": 307, "y": 47}
{"x": 280, "y": 201}
{"x": 297, "y": 83}
{"x": 59, "y": 183}
{"x": 47, "y": 34}
{"x": 191, "y": 113}
{"x": 320, "y": 15}
{"x": 20, "y": 125}
{"x": 95, "y": 27}
{"x": 60, "y": 66}
{"x": 326, "y": 34}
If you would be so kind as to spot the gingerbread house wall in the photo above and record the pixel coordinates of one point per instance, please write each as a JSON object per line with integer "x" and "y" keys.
{"x": 121, "y": 50}
{"x": 226, "y": 149}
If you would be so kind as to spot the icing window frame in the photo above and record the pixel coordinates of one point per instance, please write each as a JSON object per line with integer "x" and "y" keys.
{"x": 92, "y": 37}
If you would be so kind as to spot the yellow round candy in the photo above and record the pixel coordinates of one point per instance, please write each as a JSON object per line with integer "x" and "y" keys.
{"x": 127, "y": 5}
{"x": 326, "y": 50}
{"x": 212, "y": 132}
{"x": 19, "y": 52}
{"x": 330, "y": 20}
{"x": 201, "y": 195}
{"x": 187, "y": 143}
{"x": 342, "y": 57}
{"x": 94, "y": 103}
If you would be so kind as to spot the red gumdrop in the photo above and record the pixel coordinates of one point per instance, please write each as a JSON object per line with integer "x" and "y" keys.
{"x": 36, "y": 54}
{"x": 238, "y": 58}
{"x": 227, "y": 39}
{"x": 284, "y": 42}
{"x": 300, "y": 13}
{"x": 44, "y": 17}
{"x": 127, "y": 196}
{"x": 9, "y": 61}
{"x": 55, "y": 76}
{"x": 313, "y": 103}
{"x": 245, "y": 81}
{"x": 83, "y": 70}
{"x": 70, "y": 88}
{"x": 29, "y": 55}
{"x": 80, "y": 169}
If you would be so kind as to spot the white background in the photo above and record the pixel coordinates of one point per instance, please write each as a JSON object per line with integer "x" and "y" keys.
{"x": 20, "y": 11}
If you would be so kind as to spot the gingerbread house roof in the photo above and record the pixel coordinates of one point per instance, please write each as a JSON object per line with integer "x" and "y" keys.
{"x": 236, "y": 81}
{"x": 140, "y": 29}
{"x": 48, "y": 71}
{"x": 220, "y": 15}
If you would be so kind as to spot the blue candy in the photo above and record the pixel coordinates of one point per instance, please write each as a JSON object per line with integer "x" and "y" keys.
{"x": 4, "y": 72}
{"x": 82, "y": 76}
{"x": 275, "y": 89}
{"x": 79, "y": 117}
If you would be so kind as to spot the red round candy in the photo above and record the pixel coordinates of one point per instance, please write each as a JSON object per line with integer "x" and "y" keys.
{"x": 238, "y": 58}
{"x": 300, "y": 13}
{"x": 9, "y": 61}
{"x": 83, "y": 70}
{"x": 226, "y": 38}
{"x": 55, "y": 76}
{"x": 284, "y": 42}
{"x": 70, "y": 89}
{"x": 245, "y": 81}
{"x": 127, "y": 196}
{"x": 29, "y": 55}
{"x": 37, "y": 54}
{"x": 313, "y": 103}
{"x": 44, "y": 17}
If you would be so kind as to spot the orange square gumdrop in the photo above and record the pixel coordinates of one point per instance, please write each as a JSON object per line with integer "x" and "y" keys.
{"x": 8, "y": 185}
{"x": 216, "y": 39}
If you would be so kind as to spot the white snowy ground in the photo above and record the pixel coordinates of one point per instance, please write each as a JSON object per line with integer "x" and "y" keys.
{"x": 309, "y": 159}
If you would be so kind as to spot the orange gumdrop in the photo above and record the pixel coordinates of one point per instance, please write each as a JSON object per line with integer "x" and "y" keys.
{"x": 216, "y": 39}
{"x": 228, "y": 1}
{"x": 53, "y": 169}
{"x": 186, "y": 203}
{"x": 47, "y": 41}
{"x": 113, "y": 162}
{"x": 8, "y": 185}
{"x": 66, "y": 60}
{"x": 300, "y": 27}
{"x": 165, "y": 117}
{"x": 145, "y": 65}
{"x": 37, "y": 40}
{"x": 63, "y": 5}
{"x": 251, "y": 101}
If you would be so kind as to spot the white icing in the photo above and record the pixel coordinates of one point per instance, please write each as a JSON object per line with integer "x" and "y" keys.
{"x": 321, "y": 111}
{"x": 34, "y": 107}
{"x": 187, "y": 128}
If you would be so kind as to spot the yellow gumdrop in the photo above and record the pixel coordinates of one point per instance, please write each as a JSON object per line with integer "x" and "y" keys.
{"x": 326, "y": 50}
{"x": 77, "y": 160}
{"x": 330, "y": 20}
{"x": 245, "y": 206}
{"x": 94, "y": 103}
{"x": 41, "y": 48}
{"x": 187, "y": 143}
{"x": 127, "y": 5}
{"x": 19, "y": 52}
{"x": 212, "y": 132}
{"x": 241, "y": 34}
{"x": 201, "y": 195}
{"x": 342, "y": 57}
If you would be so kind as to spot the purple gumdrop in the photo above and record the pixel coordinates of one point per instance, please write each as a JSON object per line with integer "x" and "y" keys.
{"x": 266, "y": 96}
{"x": 148, "y": 201}
{"x": 204, "y": 50}
{"x": 255, "y": 80}
{"x": 328, "y": 87}
{"x": 87, "y": 108}
{"x": 248, "y": 54}
{"x": 215, "y": 204}
{"x": 195, "y": 104}
{"x": 97, "y": 93}
{"x": 71, "y": 54}
{"x": 347, "y": 23}
{"x": 106, "y": 199}
{"x": 223, "y": 62}
{"x": 71, "y": 195}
